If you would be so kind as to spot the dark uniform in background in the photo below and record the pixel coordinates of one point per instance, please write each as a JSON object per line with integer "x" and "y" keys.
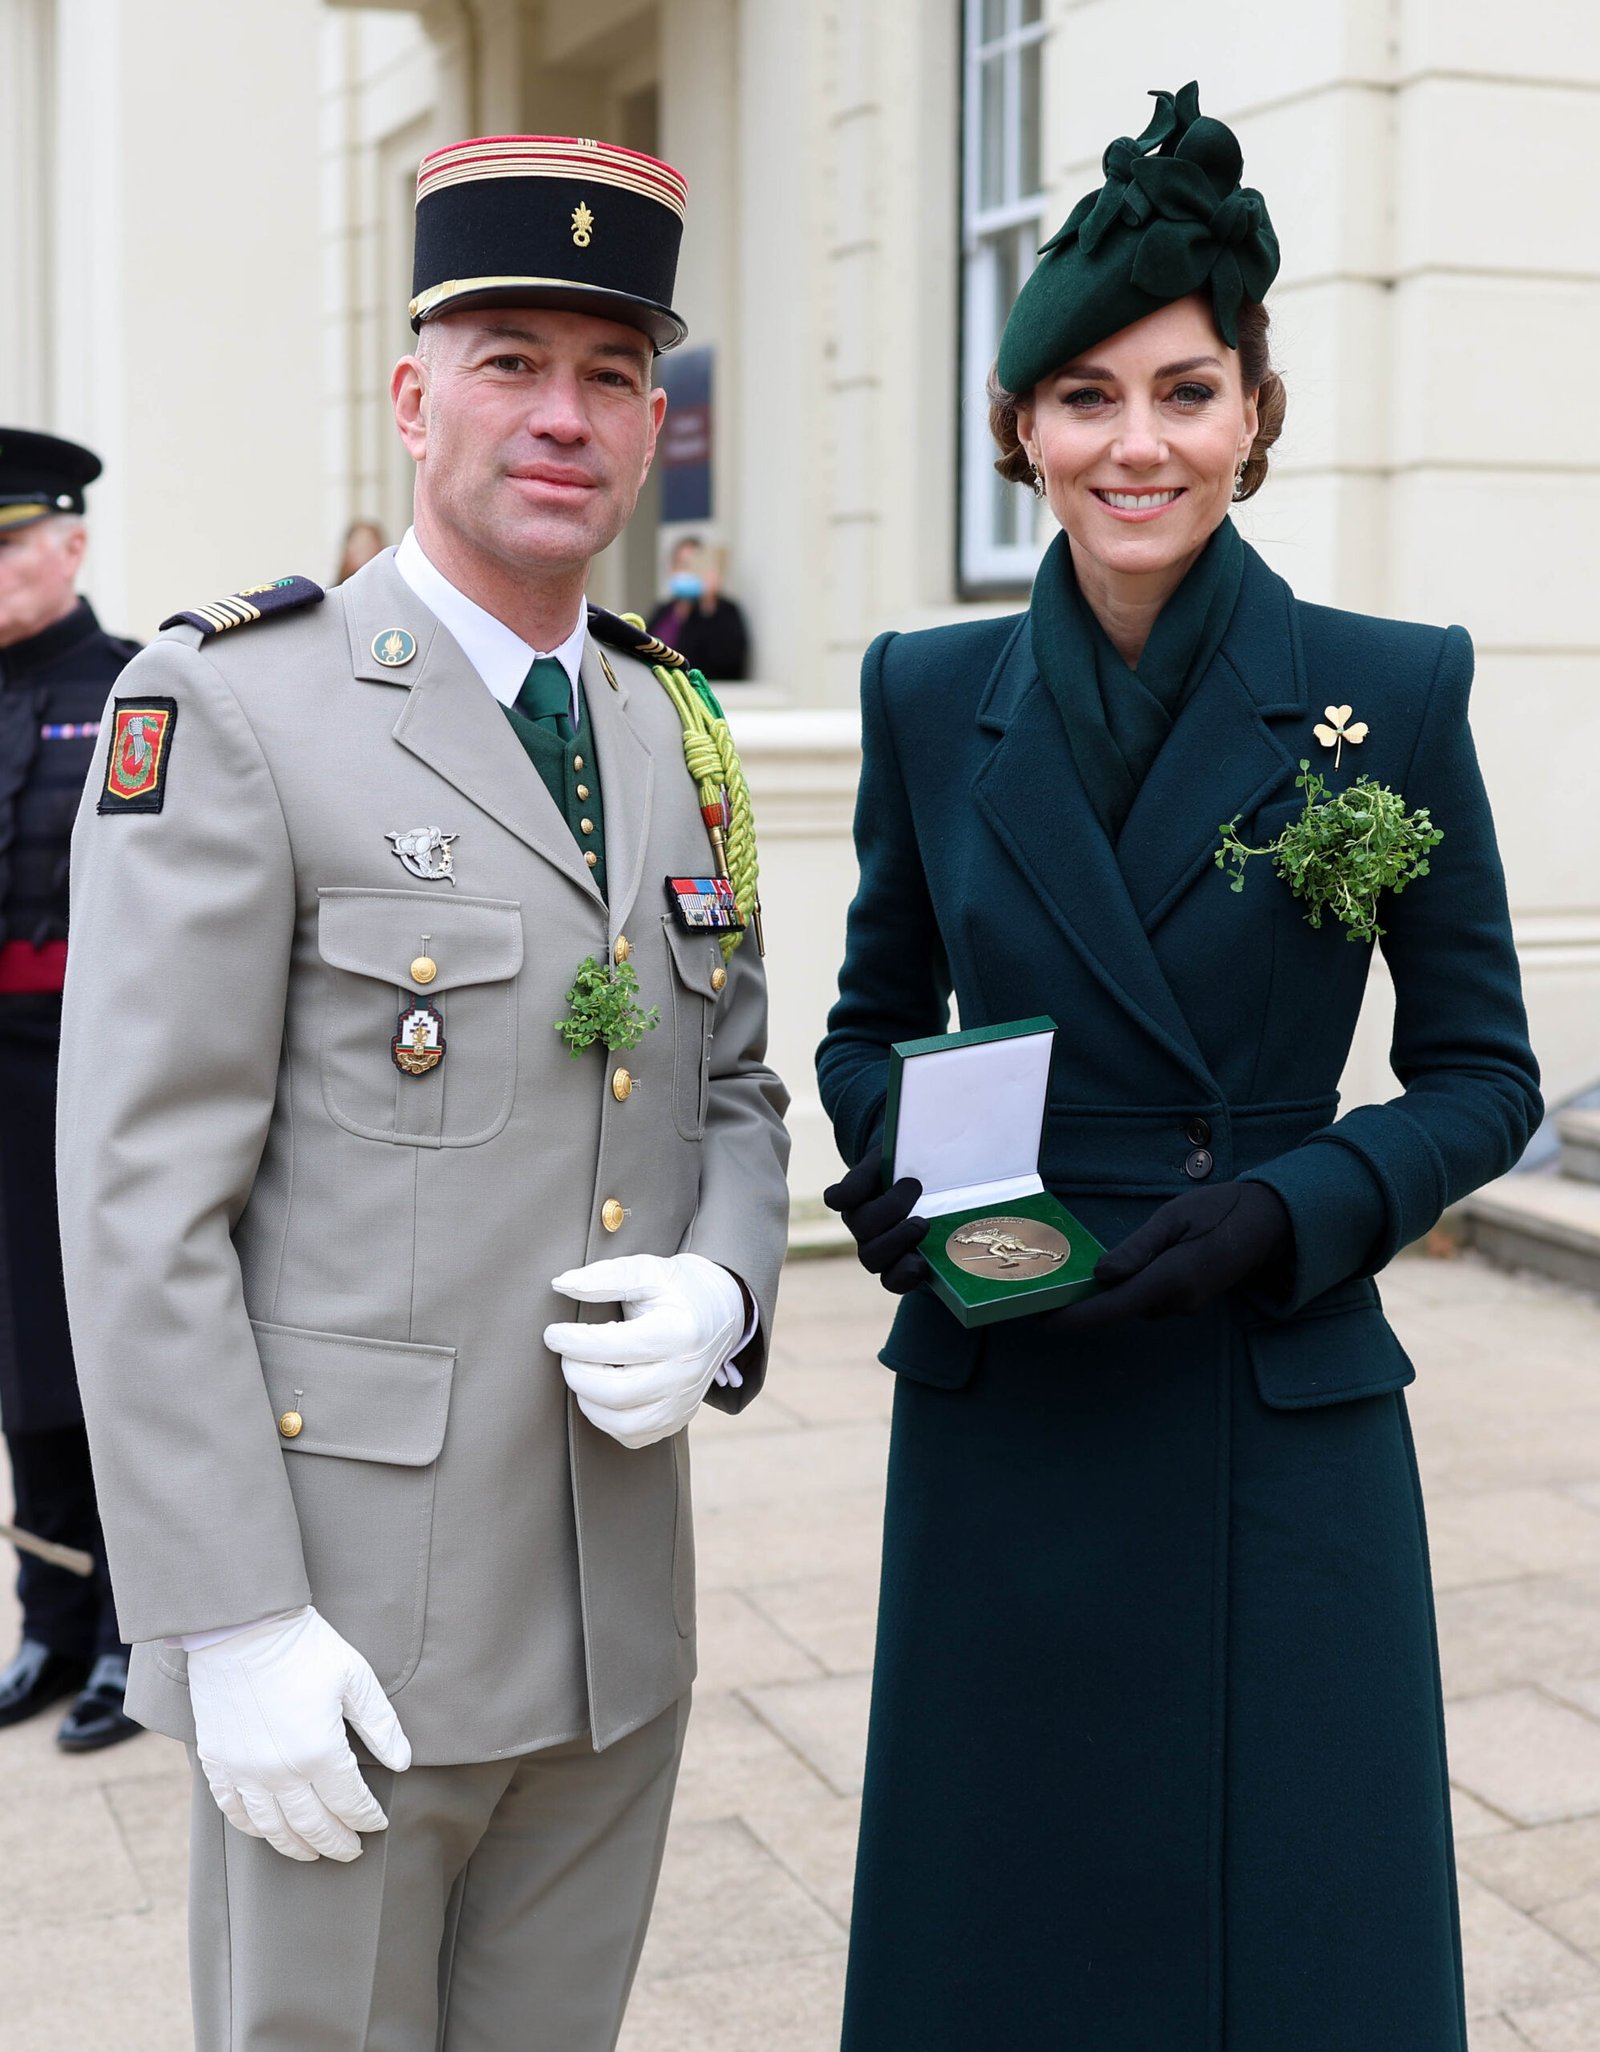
{"x": 54, "y": 682}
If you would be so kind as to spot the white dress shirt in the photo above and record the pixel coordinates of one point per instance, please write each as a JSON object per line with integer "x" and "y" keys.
{"x": 502, "y": 659}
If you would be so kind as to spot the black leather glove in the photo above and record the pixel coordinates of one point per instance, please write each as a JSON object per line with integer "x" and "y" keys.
{"x": 1190, "y": 1251}
{"x": 881, "y": 1223}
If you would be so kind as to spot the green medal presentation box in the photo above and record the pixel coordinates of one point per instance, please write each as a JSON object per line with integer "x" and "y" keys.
{"x": 966, "y": 1117}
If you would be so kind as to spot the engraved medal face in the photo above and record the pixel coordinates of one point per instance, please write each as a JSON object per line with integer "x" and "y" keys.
{"x": 1007, "y": 1249}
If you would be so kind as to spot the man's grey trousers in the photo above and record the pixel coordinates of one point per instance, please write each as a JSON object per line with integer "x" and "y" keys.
{"x": 503, "y": 1910}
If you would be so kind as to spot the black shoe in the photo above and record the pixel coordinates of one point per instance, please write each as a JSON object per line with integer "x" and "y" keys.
{"x": 97, "y": 1718}
{"x": 36, "y": 1679}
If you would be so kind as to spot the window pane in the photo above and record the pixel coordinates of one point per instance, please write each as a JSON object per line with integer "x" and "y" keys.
{"x": 1028, "y": 166}
{"x": 993, "y": 20}
{"x": 992, "y": 132}
{"x": 1030, "y": 10}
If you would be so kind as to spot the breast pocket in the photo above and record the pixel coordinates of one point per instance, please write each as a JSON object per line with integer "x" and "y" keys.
{"x": 368, "y": 940}
{"x": 697, "y": 976}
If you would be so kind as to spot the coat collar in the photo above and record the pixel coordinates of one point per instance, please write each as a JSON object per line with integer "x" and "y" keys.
{"x": 450, "y": 719}
{"x": 1222, "y": 757}
{"x": 1030, "y": 793}
{"x": 627, "y": 775}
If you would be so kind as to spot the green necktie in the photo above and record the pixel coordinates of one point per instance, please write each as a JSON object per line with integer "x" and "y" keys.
{"x": 546, "y": 697}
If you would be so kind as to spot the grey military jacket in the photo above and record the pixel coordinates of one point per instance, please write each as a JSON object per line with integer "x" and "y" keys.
{"x": 262, "y": 1215}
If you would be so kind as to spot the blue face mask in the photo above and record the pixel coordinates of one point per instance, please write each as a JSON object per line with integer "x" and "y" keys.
{"x": 685, "y": 585}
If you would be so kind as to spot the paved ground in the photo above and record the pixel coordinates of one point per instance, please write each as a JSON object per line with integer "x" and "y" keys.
{"x": 746, "y": 1952}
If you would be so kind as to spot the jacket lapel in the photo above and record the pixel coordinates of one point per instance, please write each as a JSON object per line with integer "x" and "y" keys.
{"x": 450, "y": 720}
{"x": 627, "y": 779}
{"x": 1222, "y": 758}
{"x": 1031, "y": 795}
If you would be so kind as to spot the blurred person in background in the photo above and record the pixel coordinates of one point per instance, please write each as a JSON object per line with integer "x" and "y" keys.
{"x": 706, "y": 629}
{"x": 56, "y": 667}
{"x": 363, "y": 539}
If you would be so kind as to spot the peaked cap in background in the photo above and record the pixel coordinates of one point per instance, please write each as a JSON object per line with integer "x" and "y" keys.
{"x": 1172, "y": 218}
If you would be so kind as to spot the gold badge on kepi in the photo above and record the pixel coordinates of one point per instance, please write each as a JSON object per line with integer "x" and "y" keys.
{"x": 418, "y": 1043}
{"x": 1007, "y": 1249}
{"x": 393, "y": 647}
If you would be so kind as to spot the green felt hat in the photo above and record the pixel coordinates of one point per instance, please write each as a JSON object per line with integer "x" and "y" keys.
{"x": 1171, "y": 219}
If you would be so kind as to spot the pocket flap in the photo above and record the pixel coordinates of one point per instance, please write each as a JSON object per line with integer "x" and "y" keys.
{"x": 696, "y": 957}
{"x": 379, "y": 934}
{"x": 1335, "y": 1350}
{"x": 360, "y": 1399}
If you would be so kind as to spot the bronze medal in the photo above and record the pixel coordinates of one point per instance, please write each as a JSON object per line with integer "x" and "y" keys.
{"x": 1012, "y": 1250}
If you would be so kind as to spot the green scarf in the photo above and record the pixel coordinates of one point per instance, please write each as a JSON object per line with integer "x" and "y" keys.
{"x": 1117, "y": 718}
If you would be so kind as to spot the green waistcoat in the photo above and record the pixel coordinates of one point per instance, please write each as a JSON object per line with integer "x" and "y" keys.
{"x": 572, "y": 778}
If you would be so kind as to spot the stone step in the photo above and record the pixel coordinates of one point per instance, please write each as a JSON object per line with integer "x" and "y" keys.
{"x": 1580, "y": 1144}
{"x": 1550, "y": 1224}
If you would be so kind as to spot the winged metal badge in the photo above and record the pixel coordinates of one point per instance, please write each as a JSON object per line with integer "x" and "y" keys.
{"x": 425, "y": 851}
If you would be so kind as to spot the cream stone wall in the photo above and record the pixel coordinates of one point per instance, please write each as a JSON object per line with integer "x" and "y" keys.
{"x": 208, "y": 223}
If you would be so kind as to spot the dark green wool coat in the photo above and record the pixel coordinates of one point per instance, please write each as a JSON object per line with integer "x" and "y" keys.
{"x": 1156, "y": 1759}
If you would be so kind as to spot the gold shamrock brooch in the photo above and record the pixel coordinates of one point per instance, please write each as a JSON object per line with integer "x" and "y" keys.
{"x": 1338, "y": 731}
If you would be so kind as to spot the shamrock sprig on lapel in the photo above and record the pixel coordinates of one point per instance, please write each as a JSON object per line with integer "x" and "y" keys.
{"x": 1339, "y": 730}
{"x": 605, "y": 1007}
{"x": 1344, "y": 852}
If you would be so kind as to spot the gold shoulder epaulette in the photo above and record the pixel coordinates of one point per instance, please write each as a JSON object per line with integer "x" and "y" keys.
{"x": 256, "y": 602}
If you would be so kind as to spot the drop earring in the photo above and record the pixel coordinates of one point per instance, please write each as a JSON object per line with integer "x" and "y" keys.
{"x": 1238, "y": 480}
{"x": 1036, "y": 478}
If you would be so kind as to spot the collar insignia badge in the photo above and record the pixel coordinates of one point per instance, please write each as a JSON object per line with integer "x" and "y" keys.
{"x": 393, "y": 646}
{"x": 425, "y": 852}
{"x": 1339, "y": 731}
{"x": 418, "y": 1043}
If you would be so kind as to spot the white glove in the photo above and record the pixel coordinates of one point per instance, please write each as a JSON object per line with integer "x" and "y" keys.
{"x": 641, "y": 1377}
{"x": 269, "y": 1710}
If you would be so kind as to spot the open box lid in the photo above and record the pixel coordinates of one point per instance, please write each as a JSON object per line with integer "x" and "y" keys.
{"x": 965, "y": 1114}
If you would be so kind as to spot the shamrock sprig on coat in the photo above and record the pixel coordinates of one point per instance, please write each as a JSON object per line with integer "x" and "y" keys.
{"x": 1344, "y": 852}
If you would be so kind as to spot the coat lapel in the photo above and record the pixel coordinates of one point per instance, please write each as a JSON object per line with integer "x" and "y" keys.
{"x": 1031, "y": 795}
{"x": 627, "y": 779}
{"x": 450, "y": 720}
{"x": 1222, "y": 758}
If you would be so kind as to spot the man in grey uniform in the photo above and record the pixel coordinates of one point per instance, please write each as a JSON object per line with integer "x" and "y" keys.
{"x": 349, "y": 1224}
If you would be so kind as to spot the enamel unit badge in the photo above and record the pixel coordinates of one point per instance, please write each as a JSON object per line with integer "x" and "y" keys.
{"x": 136, "y": 761}
{"x": 418, "y": 1043}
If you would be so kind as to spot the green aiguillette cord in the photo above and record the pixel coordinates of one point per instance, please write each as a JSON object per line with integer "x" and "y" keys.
{"x": 1117, "y": 718}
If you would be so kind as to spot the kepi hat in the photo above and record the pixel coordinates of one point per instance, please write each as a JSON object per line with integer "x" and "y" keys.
{"x": 549, "y": 220}
{"x": 41, "y": 475}
{"x": 1172, "y": 218}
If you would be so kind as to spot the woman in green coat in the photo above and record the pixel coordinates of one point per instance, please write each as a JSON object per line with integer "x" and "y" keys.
{"x": 1156, "y": 1759}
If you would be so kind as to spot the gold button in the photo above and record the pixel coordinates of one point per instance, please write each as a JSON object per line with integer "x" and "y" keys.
{"x": 719, "y": 977}
{"x": 612, "y": 1215}
{"x": 291, "y": 1424}
{"x": 585, "y": 826}
{"x": 577, "y": 762}
{"x": 424, "y": 969}
{"x": 583, "y": 790}
{"x": 590, "y": 857}
{"x": 622, "y": 1086}
{"x": 623, "y": 948}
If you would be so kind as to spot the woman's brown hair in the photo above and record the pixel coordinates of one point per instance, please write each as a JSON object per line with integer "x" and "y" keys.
{"x": 1255, "y": 372}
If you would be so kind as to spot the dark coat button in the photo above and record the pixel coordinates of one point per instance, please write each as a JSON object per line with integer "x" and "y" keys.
{"x": 1199, "y": 1165}
{"x": 1198, "y": 1132}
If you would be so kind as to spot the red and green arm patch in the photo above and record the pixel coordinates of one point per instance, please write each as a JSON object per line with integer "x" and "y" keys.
{"x": 139, "y": 755}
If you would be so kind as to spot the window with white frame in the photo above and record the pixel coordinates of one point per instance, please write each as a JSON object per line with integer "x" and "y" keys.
{"x": 1002, "y": 227}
